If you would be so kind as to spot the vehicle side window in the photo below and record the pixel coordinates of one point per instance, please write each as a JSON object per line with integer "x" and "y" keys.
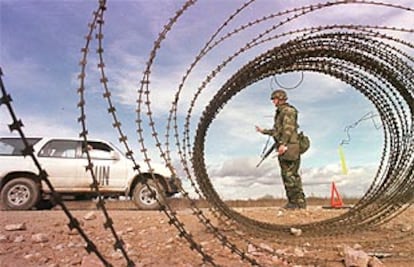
{"x": 7, "y": 149}
{"x": 14, "y": 146}
{"x": 98, "y": 150}
{"x": 59, "y": 149}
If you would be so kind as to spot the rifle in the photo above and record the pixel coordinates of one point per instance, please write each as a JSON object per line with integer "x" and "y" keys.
{"x": 270, "y": 150}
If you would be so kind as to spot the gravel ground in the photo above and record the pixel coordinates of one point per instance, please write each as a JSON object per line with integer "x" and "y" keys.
{"x": 42, "y": 238}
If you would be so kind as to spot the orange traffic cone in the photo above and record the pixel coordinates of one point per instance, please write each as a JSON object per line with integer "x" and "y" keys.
{"x": 336, "y": 200}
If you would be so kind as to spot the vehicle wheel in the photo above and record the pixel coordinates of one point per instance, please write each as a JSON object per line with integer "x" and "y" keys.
{"x": 143, "y": 198}
{"x": 20, "y": 194}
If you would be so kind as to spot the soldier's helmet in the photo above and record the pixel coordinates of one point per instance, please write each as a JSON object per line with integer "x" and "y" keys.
{"x": 279, "y": 94}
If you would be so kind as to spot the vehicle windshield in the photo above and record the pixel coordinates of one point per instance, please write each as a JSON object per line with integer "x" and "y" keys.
{"x": 14, "y": 146}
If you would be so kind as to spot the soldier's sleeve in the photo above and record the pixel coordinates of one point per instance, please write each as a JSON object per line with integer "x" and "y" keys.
{"x": 272, "y": 131}
{"x": 288, "y": 125}
{"x": 268, "y": 131}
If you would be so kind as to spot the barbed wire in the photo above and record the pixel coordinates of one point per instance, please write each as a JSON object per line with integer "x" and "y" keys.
{"x": 17, "y": 125}
{"x": 108, "y": 224}
{"x": 217, "y": 104}
{"x": 363, "y": 56}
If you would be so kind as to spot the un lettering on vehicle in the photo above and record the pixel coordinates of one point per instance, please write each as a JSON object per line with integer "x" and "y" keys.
{"x": 102, "y": 174}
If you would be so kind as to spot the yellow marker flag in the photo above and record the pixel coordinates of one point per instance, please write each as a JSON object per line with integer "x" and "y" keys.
{"x": 342, "y": 158}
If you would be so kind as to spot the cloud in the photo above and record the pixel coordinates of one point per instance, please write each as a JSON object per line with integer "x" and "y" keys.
{"x": 239, "y": 178}
{"x": 37, "y": 126}
{"x": 28, "y": 68}
{"x": 5, "y": 120}
{"x": 173, "y": 58}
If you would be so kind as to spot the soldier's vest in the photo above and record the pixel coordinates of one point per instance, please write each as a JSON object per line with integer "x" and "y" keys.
{"x": 281, "y": 112}
{"x": 293, "y": 151}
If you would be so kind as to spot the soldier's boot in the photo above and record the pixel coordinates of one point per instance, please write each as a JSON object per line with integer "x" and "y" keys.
{"x": 290, "y": 206}
{"x": 301, "y": 203}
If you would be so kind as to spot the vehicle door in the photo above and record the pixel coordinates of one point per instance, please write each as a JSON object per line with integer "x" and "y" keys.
{"x": 61, "y": 161}
{"x": 11, "y": 153}
{"x": 109, "y": 168}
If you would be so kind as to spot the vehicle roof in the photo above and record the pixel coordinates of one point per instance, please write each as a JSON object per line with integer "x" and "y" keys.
{"x": 55, "y": 138}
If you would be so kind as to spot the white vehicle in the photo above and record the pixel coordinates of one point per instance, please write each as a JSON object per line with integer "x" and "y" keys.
{"x": 65, "y": 161}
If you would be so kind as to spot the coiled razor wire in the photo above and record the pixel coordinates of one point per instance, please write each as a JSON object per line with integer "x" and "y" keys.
{"x": 359, "y": 55}
{"x": 370, "y": 58}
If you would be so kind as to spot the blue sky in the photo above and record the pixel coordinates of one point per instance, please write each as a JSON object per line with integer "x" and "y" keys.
{"x": 40, "y": 51}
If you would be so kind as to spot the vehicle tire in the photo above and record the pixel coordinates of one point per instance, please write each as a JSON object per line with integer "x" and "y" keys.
{"x": 143, "y": 198}
{"x": 20, "y": 194}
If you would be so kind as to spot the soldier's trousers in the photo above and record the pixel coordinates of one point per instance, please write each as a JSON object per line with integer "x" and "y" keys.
{"x": 292, "y": 181}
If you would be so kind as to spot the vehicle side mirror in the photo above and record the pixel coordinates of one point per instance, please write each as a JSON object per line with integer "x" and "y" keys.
{"x": 115, "y": 155}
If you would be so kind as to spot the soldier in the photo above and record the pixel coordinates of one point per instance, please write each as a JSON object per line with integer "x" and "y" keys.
{"x": 285, "y": 134}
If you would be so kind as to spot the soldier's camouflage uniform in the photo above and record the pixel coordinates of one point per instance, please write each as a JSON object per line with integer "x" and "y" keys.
{"x": 284, "y": 132}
